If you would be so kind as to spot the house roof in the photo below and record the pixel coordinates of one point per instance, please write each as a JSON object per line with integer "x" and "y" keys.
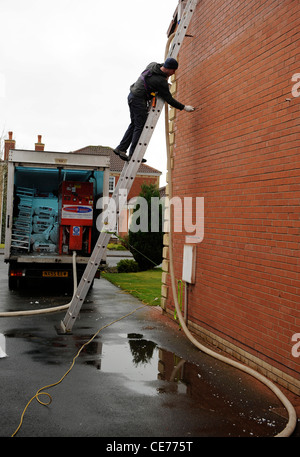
{"x": 116, "y": 164}
{"x": 162, "y": 191}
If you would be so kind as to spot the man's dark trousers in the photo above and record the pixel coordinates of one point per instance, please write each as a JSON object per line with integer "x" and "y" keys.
{"x": 138, "y": 108}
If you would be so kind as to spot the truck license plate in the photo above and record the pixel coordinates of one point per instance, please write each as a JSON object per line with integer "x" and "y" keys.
{"x": 55, "y": 274}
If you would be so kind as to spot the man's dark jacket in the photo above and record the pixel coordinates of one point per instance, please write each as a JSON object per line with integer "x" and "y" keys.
{"x": 157, "y": 82}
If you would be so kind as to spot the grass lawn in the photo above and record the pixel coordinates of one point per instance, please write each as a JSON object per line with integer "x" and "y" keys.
{"x": 145, "y": 285}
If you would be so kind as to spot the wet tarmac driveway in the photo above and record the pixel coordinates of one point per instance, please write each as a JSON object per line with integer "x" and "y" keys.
{"x": 139, "y": 377}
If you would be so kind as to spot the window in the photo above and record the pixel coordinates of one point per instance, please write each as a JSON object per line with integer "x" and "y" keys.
{"x": 111, "y": 183}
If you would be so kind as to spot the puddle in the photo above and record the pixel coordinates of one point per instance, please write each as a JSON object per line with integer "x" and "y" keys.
{"x": 150, "y": 370}
{"x": 144, "y": 368}
{"x": 135, "y": 360}
{"x": 142, "y": 364}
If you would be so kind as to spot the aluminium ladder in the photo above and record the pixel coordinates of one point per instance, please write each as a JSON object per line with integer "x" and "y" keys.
{"x": 22, "y": 225}
{"x": 119, "y": 197}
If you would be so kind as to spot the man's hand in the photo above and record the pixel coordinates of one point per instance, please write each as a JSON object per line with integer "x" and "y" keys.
{"x": 189, "y": 108}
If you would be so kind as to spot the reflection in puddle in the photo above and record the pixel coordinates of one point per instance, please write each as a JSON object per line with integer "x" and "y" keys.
{"x": 142, "y": 363}
{"x": 136, "y": 361}
{"x": 150, "y": 370}
{"x": 140, "y": 366}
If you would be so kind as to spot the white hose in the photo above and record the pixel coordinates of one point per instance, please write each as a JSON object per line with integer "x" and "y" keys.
{"x": 54, "y": 309}
{"x": 290, "y": 427}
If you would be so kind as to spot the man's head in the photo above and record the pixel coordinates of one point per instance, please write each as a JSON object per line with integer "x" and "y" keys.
{"x": 170, "y": 66}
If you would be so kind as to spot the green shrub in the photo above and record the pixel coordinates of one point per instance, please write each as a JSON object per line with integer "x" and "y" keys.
{"x": 127, "y": 266}
{"x": 116, "y": 247}
{"x": 146, "y": 246}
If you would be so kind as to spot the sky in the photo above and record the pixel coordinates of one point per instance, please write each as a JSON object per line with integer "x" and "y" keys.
{"x": 66, "y": 67}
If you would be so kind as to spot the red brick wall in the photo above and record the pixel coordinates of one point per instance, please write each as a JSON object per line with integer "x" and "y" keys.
{"x": 240, "y": 151}
{"x": 138, "y": 182}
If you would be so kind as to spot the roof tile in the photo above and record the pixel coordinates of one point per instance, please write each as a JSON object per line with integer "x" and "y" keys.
{"x": 116, "y": 164}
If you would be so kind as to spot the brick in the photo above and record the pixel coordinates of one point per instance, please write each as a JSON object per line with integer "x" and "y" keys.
{"x": 165, "y": 265}
{"x": 164, "y": 291}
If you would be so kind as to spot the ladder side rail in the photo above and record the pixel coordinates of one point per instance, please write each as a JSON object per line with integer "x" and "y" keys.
{"x": 83, "y": 287}
{"x": 182, "y": 28}
{"x": 91, "y": 268}
{"x": 123, "y": 187}
{"x": 116, "y": 204}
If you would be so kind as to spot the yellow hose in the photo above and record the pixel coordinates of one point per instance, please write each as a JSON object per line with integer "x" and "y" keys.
{"x": 41, "y": 391}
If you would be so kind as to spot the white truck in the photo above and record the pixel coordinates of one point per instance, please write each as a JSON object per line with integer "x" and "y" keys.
{"x": 52, "y": 214}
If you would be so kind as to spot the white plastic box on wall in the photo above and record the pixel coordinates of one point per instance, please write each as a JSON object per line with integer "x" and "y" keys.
{"x": 189, "y": 263}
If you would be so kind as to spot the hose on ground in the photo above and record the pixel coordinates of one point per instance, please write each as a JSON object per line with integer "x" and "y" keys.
{"x": 53, "y": 309}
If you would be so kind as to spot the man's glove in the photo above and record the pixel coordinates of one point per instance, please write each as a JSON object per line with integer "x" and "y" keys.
{"x": 189, "y": 108}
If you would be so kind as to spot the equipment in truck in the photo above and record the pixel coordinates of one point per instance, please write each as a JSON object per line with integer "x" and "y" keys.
{"x": 42, "y": 231}
{"x": 76, "y": 216}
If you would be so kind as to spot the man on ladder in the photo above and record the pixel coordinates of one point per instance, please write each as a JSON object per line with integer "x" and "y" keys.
{"x": 151, "y": 83}
{"x": 116, "y": 202}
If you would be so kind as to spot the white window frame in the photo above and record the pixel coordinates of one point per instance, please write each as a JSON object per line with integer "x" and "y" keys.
{"x": 111, "y": 183}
